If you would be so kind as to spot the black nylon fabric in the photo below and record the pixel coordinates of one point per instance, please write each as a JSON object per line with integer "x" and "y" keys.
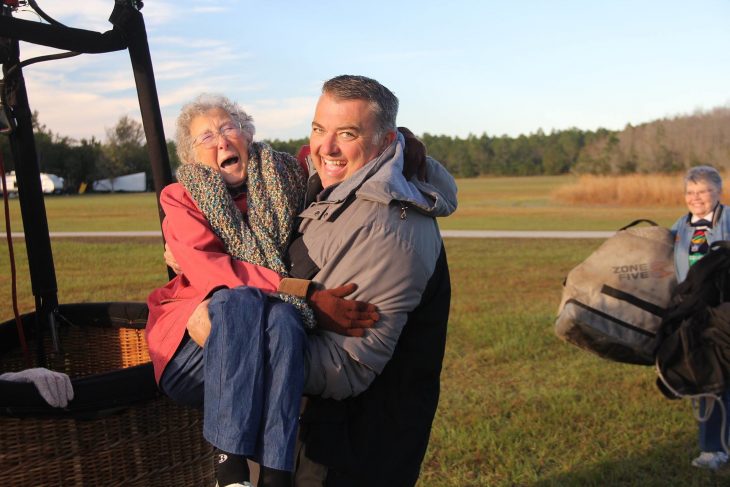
{"x": 693, "y": 355}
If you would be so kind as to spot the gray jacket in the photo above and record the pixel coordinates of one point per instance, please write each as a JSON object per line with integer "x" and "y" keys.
{"x": 683, "y": 231}
{"x": 386, "y": 241}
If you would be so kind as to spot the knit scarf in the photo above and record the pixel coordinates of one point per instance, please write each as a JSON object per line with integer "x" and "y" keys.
{"x": 275, "y": 184}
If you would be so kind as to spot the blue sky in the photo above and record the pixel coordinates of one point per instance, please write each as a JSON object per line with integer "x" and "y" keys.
{"x": 458, "y": 67}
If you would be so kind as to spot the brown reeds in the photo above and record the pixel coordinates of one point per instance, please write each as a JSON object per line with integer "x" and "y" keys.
{"x": 629, "y": 190}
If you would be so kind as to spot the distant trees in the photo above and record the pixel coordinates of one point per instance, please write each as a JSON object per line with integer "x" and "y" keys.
{"x": 85, "y": 160}
{"x": 74, "y": 161}
{"x": 125, "y": 151}
{"x": 663, "y": 146}
{"x": 289, "y": 146}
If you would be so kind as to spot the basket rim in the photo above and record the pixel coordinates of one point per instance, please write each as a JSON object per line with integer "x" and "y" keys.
{"x": 94, "y": 395}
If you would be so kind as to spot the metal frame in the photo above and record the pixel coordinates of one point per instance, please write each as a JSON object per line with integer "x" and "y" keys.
{"x": 128, "y": 33}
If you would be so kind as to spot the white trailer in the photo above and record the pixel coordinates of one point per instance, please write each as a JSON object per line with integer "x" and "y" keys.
{"x": 50, "y": 183}
{"x": 130, "y": 182}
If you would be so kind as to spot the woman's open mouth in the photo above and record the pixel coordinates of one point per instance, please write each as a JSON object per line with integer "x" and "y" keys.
{"x": 229, "y": 162}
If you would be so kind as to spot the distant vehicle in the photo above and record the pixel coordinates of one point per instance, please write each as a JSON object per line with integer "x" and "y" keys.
{"x": 129, "y": 183}
{"x": 50, "y": 183}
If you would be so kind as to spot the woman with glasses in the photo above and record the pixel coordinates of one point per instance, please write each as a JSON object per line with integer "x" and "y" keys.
{"x": 228, "y": 221}
{"x": 708, "y": 221}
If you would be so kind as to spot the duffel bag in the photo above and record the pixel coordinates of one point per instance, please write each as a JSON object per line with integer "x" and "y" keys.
{"x": 613, "y": 302}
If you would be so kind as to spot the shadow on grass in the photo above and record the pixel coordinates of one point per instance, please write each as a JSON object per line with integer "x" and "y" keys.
{"x": 665, "y": 466}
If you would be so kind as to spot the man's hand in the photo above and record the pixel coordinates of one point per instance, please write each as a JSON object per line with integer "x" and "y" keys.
{"x": 170, "y": 261}
{"x": 414, "y": 156}
{"x": 344, "y": 316}
{"x": 199, "y": 323}
{"x": 54, "y": 387}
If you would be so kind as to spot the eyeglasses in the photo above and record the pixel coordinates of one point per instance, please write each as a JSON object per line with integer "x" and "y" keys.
{"x": 209, "y": 139}
{"x": 692, "y": 194}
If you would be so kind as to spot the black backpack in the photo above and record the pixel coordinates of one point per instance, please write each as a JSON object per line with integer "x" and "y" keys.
{"x": 693, "y": 356}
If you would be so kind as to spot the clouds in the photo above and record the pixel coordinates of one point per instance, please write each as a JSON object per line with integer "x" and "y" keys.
{"x": 495, "y": 67}
{"x": 81, "y": 114}
{"x": 76, "y": 97}
{"x": 83, "y": 96}
{"x": 282, "y": 118}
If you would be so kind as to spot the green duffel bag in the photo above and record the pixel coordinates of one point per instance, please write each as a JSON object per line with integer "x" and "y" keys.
{"x": 614, "y": 301}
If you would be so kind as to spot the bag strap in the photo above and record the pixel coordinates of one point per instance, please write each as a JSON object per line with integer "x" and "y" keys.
{"x": 636, "y": 222}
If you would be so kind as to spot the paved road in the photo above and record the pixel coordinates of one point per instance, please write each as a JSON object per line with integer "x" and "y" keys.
{"x": 156, "y": 233}
{"x": 522, "y": 234}
{"x": 445, "y": 233}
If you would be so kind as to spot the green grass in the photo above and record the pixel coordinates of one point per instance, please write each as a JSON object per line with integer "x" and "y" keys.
{"x": 95, "y": 212}
{"x": 510, "y": 203}
{"x": 89, "y": 270}
{"x": 524, "y": 203}
{"x": 518, "y": 406}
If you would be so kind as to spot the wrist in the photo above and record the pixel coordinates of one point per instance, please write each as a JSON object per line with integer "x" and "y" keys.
{"x": 295, "y": 287}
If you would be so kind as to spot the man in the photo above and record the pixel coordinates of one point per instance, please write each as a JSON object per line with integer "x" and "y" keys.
{"x": 372, "y": 399}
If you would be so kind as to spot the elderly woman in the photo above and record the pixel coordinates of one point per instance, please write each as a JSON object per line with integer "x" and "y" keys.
{"x": 228, "y": 222}
{"x": 707, "y": 221}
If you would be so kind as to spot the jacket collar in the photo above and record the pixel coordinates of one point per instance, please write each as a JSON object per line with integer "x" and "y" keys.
{"x": 716, "y": 214}
{"x": 328, "y": 203}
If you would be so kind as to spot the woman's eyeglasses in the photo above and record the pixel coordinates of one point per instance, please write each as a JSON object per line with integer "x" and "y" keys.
{"x": 209, "y": 139}
{"x": 692, "y": 194}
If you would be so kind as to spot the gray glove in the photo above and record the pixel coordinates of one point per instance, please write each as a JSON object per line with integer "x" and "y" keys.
{"x": 54, "y": 387}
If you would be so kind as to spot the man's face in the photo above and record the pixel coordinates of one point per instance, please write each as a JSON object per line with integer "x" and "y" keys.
{"x": 343, "y": 138}
{"x": 220, "y": 144}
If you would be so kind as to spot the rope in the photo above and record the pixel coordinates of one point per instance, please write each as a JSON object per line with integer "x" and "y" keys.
{"x": 710, "y": 401}
{"x": 44, "y": 15}
{"x": 13, "y": 275}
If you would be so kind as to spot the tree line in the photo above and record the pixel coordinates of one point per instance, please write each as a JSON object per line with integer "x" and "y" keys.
{"x": 662, "y": 146}
{"x": 84, "y": 161}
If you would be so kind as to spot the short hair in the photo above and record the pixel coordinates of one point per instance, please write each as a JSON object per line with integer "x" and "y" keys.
{"x": 704, "y": 174}
{"x": 201, "y": 105}
{"x": 382, "y": 101}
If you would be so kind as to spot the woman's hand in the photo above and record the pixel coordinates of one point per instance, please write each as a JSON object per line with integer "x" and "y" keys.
{"x": 198, "y": 324}
{"x": 343, "y": 316}
{"x": 414, "y": 156}
{"x": 170, "y": 261}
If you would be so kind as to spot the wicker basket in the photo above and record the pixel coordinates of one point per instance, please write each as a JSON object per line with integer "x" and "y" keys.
{"x": 118, "y": 430}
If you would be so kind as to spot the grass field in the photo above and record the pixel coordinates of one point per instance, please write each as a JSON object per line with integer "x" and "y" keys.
{"x": 509, "y": 203}
{"x": 518, "y": 406}
{"x": 514, "y": 203}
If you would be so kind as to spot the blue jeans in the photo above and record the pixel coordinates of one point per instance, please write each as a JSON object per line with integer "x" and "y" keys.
{"x": 711, "y": 430}
{"x": 248, "y": 378}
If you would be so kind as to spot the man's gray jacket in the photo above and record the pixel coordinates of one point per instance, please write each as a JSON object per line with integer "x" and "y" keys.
{"x": 378, "y": 230}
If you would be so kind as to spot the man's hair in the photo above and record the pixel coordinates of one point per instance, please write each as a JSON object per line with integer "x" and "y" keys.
{"x": 704, "y": 174}
{"x": 382, "y": 101}
{"x": 199, "y": 106}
